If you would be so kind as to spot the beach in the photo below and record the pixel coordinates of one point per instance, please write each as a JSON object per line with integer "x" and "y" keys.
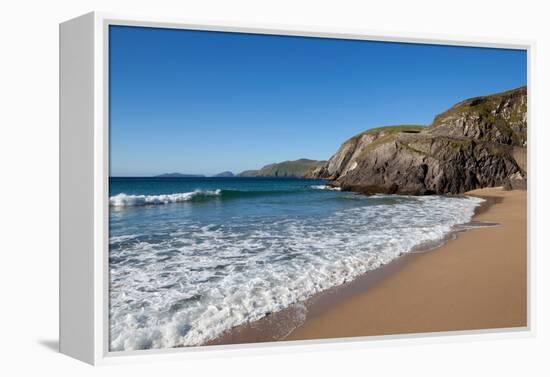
{"x": 263, "y": 261}
{"x": 476, "y": 281}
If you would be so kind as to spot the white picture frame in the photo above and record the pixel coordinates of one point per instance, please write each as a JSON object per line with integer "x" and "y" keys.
{"x": 84, "y": 206}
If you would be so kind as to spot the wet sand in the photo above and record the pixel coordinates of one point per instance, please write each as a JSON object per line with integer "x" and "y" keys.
{"x": 478, "y": 280}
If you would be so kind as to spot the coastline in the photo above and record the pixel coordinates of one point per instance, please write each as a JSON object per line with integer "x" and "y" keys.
{"x": 475, "y": 280}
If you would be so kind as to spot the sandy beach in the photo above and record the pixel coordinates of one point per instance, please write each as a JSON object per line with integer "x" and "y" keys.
{"x": 476, "y": 281}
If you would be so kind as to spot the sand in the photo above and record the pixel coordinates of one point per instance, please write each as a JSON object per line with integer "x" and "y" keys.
{"x": 476, "y": 281}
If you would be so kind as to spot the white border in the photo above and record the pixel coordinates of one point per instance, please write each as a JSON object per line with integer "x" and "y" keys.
{"x": 101, "y": 206}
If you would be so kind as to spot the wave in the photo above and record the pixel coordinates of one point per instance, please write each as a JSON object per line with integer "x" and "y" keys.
{"x": 126, "y": 200}
{"x": 325, "y": 187}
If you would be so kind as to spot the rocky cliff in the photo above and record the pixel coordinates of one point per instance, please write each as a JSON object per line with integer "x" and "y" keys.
{"x": 479, "y": 142}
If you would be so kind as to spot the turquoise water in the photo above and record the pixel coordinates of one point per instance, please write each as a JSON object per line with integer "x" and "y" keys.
{"x": 207, "y": 201}
{"x": 193, "y": 257}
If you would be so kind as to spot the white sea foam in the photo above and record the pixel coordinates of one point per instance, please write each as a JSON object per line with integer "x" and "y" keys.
{"x": 199, "y": 281}
{"x": 325, "y": 187}
{"x": 123, "y": 238}
{"x": 124, "y": 200}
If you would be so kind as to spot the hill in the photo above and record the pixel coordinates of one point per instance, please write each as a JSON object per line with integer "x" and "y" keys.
{"x": 296, "y": 169}
{"x": 225, "y": 174}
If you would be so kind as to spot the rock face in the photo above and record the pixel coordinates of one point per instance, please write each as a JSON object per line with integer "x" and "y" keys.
{"x": 479, "y": 142}
{"x": 287, "y": 169}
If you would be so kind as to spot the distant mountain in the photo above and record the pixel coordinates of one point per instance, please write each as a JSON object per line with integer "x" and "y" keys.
{"x": 297, "y": 169}
{"x": 225, "y": 174}
{"x": 178, "y": 175}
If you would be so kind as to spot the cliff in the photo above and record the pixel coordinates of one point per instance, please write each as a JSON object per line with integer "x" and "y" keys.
{"x": 287, "y": 169}
{"x": 479, "y": 142}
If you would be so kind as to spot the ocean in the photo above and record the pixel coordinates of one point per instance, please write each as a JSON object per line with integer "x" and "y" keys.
{"x": 190, "y": 258}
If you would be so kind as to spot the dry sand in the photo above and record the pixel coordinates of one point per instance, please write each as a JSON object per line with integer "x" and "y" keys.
{"x": 476, "y": 281}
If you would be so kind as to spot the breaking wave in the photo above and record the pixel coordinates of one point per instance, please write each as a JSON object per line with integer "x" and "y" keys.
{"x": 125, "y": 200}
{"x": 325, "y": 187}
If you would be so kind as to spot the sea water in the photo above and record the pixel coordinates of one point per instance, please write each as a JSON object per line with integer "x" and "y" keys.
{"x": 190, "y": 258}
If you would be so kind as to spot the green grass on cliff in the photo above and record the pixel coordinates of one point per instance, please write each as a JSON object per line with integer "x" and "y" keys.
{"x": 484, "y": 106}
{"x": 397, "y": 128}
{"x": 388, "y": 130}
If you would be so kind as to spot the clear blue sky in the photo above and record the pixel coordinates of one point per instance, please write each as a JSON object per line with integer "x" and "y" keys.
{"x": 205, "y": 102}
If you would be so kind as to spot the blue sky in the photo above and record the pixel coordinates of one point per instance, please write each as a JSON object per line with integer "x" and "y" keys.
{"x": 204, "y": 102}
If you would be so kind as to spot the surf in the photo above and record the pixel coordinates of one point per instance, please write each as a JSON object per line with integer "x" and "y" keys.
{"x": 128, "y": 200}
{"x": 181, "y": 276}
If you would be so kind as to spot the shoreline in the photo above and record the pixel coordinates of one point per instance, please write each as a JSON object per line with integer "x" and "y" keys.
{"x": 423, "y": 290}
